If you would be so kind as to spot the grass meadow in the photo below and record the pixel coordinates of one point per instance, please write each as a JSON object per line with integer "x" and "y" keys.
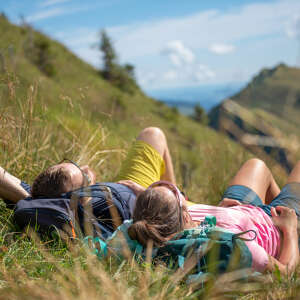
{"x": 85, "y": 119}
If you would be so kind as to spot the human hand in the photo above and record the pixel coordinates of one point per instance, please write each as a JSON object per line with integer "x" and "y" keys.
{"x": 284, "y": 218}
{"x": 90, "y": 173}
{"x": 227, "y": 202}
{"x": 137, "y": 188}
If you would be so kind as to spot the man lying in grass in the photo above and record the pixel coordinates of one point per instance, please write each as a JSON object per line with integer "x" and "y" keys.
{"x": 252, "y": 202}
{"x": 148, "y": 161}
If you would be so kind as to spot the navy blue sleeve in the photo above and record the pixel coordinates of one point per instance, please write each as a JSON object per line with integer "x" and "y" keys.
{"x": 26, "y": 187}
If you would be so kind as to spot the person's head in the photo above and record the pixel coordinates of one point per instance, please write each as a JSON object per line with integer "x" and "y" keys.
{"x": 159, "y": 213}
{"x": 61, "y": 178}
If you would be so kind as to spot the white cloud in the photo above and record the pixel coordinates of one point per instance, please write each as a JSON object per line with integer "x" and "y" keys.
{"x": 221, "y": 49}
{"x": 293, "y": 28}
{"x": 170, "y": 75}
{"x": 55, "y": 12}
{"x": 146, "y": 78}
{"x": 185, "y": 61}
{"x": 203, "y": 72}
{"x": 178, "y": 53}
{"x": 46, "y": 14}
{"x": 175, "y": 59}
{"x": 202, "y": 29}
{"x": 53, "y": 2}
{"x": 194, "y": 74}
{"x": 188, "y": 41}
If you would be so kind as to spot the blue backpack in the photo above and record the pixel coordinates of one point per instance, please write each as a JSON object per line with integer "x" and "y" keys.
{"x": 46, "y": 215}
{"x": 212, "y": 249}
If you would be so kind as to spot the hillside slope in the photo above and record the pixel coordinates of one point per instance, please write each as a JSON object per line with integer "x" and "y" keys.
{"x": 275, "y": 90}
{"x": 76, "y": 113}
{"x": 266, "y": 112}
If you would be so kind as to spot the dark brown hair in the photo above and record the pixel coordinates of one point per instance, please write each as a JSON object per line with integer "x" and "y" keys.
{"x": 155, "y": 217}
{"x": 51, "y": 183}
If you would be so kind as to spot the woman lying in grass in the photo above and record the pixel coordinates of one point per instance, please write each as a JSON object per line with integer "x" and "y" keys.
{"x": 253, "y": 201}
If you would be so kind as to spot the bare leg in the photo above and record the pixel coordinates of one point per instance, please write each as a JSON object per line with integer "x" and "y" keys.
{"x": 10, "y": 187}
{"x": 295, "y": 174}
{"x": 157, "y": 139}
{"x": 256, "y": 175}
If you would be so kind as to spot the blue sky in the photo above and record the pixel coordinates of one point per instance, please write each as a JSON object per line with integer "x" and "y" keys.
{"x": 174, "y": 43}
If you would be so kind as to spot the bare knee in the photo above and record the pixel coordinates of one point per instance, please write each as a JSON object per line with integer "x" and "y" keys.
{"x": 152, "y": 133}
{"x": 155, "y": 137}
{"x": 256, "y": 162}
{"x": 259, "y": 167}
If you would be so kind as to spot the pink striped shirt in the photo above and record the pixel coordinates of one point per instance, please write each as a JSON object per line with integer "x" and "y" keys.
{"x": 242, "y": 218}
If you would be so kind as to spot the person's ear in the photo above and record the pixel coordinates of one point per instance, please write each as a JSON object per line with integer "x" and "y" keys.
{"x": 187, "y": 220}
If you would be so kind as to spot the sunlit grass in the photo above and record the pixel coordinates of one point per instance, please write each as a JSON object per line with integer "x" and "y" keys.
{"x": 50, "y": 269}
{"x": 81, "y": 117}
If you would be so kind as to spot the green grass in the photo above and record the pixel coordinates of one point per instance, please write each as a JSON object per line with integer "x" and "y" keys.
{"x": 77, "y": 114}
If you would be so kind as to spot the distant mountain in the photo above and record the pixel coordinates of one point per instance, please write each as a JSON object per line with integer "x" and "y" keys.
{"x": 185, "y": 98}
{"x": 265, "y": 114}
{"x": 275, "y": 90}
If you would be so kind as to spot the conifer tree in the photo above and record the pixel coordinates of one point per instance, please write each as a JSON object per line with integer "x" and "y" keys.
{"x": 109, "y": 56}
{"x": 120, "y": 76}
{"x": 200, "y": 115}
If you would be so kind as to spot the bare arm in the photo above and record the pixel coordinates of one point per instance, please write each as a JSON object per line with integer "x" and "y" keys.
{"x": 289, "y": 256}
{"x": 227, "y": 202}
{"x": 10, "y": 187}
{"x": 136, "y": 188}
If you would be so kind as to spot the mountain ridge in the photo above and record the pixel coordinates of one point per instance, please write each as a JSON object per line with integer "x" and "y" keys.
{"x": 272, "y": 101}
